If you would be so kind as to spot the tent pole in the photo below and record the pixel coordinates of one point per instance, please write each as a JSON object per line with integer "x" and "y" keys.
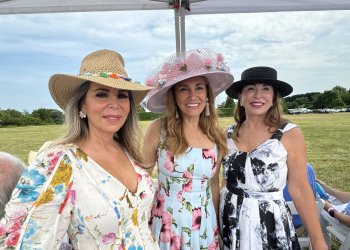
{"x": 177, "y": 31}
{"x": 183, "y": 31}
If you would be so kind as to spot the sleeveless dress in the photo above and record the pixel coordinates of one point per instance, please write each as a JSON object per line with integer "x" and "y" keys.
{"x": 66, "y": 194}
{"x": 253, "y": 212}
{"x": 183, "y": 216}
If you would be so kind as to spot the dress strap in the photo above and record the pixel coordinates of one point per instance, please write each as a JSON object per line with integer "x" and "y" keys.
{"x": 229, "y": 130}
{"x": 279, "y": 132}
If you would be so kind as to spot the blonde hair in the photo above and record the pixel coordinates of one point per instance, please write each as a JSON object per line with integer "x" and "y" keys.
{"x": 273, "y": 117}
{"x": 77, "y": 129}
{"x": 175, "y": 139}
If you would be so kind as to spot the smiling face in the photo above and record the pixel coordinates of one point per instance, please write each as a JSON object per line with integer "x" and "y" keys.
{"x": 257, "y": 98}
{"x": 191, "y": 96}
{"x": 106, "y": 108}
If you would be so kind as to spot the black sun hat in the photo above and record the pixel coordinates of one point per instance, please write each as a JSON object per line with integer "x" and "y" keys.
{"x": 260, "y": 74}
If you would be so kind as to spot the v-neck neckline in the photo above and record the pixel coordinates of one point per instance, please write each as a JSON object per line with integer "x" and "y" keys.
{"x": 114, "y": 178}
{"x": 257, "y": 147}
{"x": 261, "y": 144}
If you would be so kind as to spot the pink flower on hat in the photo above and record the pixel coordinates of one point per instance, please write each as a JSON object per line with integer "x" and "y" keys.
{"x": 162, "y": 79}
{"x": 199, "y": 62}
{"x": 180, "y": 64}
{"x": 207, "y": 63}
{"x": 149, "y": 82}
{"x": 220, "y": 58}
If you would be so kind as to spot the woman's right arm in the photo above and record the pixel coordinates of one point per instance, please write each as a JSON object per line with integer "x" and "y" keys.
{"x": 342, "y": 196}
{"x": 150, "y": 145}
{"x": 38, "y": 213}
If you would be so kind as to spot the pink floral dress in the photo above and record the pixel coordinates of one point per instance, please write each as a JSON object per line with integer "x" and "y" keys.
{"x": 183, "y": 216}
{"x": 66, "y": 195}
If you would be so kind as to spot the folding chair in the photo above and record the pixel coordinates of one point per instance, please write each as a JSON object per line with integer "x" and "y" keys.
{"x": 304, "y": 241}
{"x": 338, "y": 230}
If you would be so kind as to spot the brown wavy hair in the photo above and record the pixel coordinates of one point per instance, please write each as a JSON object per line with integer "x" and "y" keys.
{"x": 175, "y": 139}
{"x": 273, "y": 117}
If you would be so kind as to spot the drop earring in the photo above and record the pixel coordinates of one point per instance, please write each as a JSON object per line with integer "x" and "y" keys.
{"x": 207, "y": 110}
{"x": 176, "y": 114}
{"x": 82, "y": 114}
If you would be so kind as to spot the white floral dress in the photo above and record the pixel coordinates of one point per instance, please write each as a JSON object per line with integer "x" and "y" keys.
{"x": 253, "y": 212}
{"x": 184, "y": 216}
{"x": 65, "y": 194}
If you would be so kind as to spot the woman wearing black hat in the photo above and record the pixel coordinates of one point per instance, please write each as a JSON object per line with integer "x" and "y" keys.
{"x": 264, "y": 151}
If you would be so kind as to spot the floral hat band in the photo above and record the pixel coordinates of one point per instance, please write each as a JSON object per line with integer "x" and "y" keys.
{"x": 198, "y": 62}
{"x": 108, "y": 75}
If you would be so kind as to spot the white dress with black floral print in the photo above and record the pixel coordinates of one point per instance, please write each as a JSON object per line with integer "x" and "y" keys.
{"x": 183, "y": 216}
{"x": 65, "y": 195}
{"x": 253, "y": 212}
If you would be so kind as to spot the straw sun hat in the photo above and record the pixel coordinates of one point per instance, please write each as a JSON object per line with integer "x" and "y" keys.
{"x": 105, "y": 67}
{"x": 260, "y": 74}
{"x": 199, "y": 62}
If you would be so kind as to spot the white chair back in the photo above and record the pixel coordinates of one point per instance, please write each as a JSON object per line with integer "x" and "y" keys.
{"x": 304, "y": 240}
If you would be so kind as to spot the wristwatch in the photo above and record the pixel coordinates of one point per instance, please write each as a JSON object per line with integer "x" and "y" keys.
{"x": 331, "y": 211}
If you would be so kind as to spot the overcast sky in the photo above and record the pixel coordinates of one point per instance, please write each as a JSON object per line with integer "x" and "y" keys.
{"x": 310, "y": 50}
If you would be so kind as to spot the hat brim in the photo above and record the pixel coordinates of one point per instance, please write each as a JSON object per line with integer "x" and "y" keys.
{"x": 62, "y": 87}
{"x": 156, "y": 99}
{"x": 281, "y": 87}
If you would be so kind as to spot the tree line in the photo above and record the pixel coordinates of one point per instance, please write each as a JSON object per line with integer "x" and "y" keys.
{"x": 336, "y": 98}
{"x": 12, "y": 117}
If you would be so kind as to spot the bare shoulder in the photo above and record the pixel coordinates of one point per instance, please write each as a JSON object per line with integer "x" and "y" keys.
{"x": 155, "y": 126}
{"x": 293, "y": 138}
{"x": 153, "y": 131}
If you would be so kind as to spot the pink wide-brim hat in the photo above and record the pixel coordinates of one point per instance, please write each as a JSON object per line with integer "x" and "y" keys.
{"x": 198, "y": 62}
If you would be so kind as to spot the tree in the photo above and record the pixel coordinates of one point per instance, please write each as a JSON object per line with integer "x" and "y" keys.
{"x": 226, "y": 108}
{"x": 49, "y": 116}
{"x": 329, "y": 99}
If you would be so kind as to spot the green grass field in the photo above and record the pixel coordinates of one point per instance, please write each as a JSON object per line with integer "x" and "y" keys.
{"x": 327, "y": 137}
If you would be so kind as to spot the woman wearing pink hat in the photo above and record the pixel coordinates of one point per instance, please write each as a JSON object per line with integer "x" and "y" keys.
{"x": 187, "y": 146}
{"x": 264, "y": 150}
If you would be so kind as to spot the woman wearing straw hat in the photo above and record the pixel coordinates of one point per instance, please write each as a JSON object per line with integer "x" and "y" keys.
{"x": 88, "y": 185}
{"x": 187, "y": 146}
{"x": 264, "y": 150}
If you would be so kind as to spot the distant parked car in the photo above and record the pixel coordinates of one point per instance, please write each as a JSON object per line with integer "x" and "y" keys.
{"x": 299, "y": 111}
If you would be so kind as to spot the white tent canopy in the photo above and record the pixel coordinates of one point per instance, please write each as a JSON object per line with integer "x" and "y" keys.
{"x": 196, "y": 7}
